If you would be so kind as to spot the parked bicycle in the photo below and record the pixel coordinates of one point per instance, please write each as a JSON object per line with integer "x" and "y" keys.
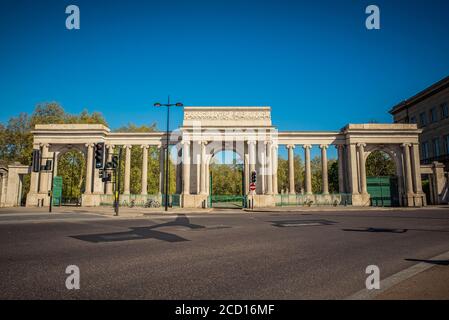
{"x": 151, "y": 203}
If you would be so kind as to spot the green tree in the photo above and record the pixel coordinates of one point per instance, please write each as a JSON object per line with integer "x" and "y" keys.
{"x": 333, "y": 176}
{"x": 283, "y": 180}
{"x": 17, "y": 140}
{"x": 378, "y": 164}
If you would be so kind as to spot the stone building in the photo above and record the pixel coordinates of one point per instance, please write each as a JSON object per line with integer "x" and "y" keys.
{"x": 429, "y": 109}
{"x": 249, "y": 132}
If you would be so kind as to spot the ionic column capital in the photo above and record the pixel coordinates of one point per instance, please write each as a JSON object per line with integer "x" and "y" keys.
{"x": 339, "y": 146}
{"x": 324, "y": 146}
{"x": 185, "y": 142}
{"x": 253, "y": 142}
{"x": 363, "y": 145}
{"x": 44, "y": 145}
{"x": 145, "y": 146}
{"x": 290, "y": 146}
{"x": 307, "y": 146}
{"x": 89, "y": 145}
{"x": 127, "y": 146}
{"x": 405, "y": 145}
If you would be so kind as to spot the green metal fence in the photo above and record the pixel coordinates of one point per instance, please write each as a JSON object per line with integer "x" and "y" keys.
{"x": 338, "y": 199}
{"x": 227, "y": 201}
{"x": 137, "y": 200}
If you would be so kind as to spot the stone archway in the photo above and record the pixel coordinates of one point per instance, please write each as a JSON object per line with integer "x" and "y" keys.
{"x": 226, "y": 171}
{"x": 71, "y": 167}
{"x": 383, "y": 177}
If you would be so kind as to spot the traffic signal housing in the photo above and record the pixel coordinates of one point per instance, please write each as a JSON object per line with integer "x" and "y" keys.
{"x": 99, "y": 155}
{"x": 253, "y": 176}
{"x": 114, "y": 162}
{"x": 36, "y": 160}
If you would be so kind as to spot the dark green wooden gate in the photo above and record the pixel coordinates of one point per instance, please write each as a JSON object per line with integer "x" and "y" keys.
{"x": 383, "y": 191}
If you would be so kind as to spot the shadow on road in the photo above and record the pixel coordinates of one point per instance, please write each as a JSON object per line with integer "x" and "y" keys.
{"x": 139, "y": 233}
{"x": 378, "y": 230}
{"x": 436, "y": 262}
{"x": 302, "y": 222}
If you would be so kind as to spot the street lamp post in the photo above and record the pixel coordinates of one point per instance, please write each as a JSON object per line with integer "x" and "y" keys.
{"x": 166, "y": 182}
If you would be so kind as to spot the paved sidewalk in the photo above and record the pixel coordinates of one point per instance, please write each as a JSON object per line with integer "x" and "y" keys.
{"x": 432, "y": 284}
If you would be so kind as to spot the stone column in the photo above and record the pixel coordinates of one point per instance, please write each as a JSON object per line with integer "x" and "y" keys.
{"x": 291, "y": 169}
{"x": 186, "y": 167}
{"x": 275, "y": 168}
{"x": 352, "y": 167}
{"x": 89, "y": 167}
{"x": 109, "y": 184}
{"x": 34, "y": 180}
{"x": 261, "y": 181}
{"x": 43, "y": 183}
{"x": 203, "y": 168}
{"x": 308, "y": 170}
{"x": 407, "y": 168}
{"x": 325, "y": 187}
{"x": 361, "y": 147}
{"x": 246, "y": 171}
{"x": 161, "y": 169}
{"x": 341, "y": 179}
{"x": 126, "y": 182}
{"x": 178, "y": 169}
{"x": 269, "y": 166}
{"x": 144, "y": 169}
{"x": 251, "y": 160}
{"x": 416, "y": 164}
{"x": 55, "y": 170}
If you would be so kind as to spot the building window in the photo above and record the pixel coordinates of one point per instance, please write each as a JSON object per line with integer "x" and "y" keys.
{"x": 413, "y": 119}
{"x": 444, "y": 111}
{"x": 433, "y": 115}
{"x": 422, "y": 119}
{"x": 425, "y": 150}
{"x": 436, "y": 147}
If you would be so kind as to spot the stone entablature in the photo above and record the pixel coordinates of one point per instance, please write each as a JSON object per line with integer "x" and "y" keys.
{"x": 227, "y": 116}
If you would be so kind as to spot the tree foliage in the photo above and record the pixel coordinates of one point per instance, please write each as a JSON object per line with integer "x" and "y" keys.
{"x": 17, "y": 140}
{"x": 378, "y": 164}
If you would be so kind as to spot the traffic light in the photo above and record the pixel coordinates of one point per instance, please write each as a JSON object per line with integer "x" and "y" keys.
{"x": 99, "y": 155}
{"x": 114, "y": 162}
{"x": 48, "y": 165}
{"x": 253, "y": 176}
{"x": 36, "y": 162}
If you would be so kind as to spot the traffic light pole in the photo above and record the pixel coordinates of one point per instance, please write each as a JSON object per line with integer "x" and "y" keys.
{"x": 50, "y": 207}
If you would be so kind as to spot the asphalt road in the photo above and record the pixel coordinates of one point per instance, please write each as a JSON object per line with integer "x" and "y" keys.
{"x": 223, "y": 255}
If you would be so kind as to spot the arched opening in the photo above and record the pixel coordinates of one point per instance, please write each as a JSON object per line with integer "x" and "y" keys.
{"x": 226, "y": 180}
{"x": 71, "y": 169}
{"x": 382, "y": 181}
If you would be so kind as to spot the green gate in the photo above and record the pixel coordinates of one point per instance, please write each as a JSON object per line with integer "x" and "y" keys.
{"x": 227, "y": 201}
{"x": 57, "y": 191}
{"x": 383, "y": 191}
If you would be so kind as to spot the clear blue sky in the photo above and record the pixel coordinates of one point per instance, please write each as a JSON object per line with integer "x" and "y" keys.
{"x": 314, "y": 62}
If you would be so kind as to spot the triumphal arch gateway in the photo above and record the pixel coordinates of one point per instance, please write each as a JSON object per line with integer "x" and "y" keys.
{"x": 249, "y": 132}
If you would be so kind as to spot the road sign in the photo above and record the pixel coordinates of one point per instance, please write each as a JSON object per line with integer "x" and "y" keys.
{"x": 252, "y": 186}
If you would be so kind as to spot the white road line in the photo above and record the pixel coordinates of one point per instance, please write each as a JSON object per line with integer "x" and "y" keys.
{"x": 396, "y": 278}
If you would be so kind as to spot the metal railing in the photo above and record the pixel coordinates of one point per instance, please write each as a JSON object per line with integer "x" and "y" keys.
{"x": 142, "y": 201}
{"x": 309, "y": 200}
